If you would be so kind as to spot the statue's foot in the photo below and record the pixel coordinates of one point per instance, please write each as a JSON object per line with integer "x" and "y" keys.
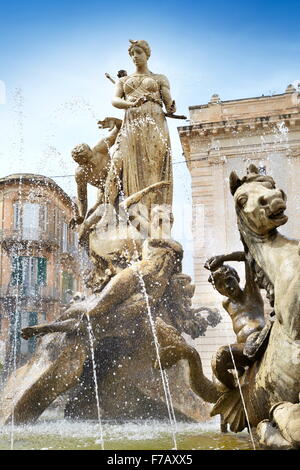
{"x": 270, "y": 436}
{"x": 71, "y": 325}
{"x": 257, "y": 342}
{"x": 96, "y": 218}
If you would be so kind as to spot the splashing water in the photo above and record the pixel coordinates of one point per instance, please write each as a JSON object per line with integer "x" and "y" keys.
{"x": 91, "y": 340}
{"x": 165, "y": 383}
{"x": 54, "y": 432}
{"x": 17, "y": 315}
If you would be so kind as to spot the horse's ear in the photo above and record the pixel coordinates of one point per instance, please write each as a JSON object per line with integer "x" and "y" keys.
{"x": 253, "y": 169}
{"x": 234, "y": 182}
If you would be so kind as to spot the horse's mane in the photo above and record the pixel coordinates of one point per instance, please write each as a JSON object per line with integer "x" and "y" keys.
{"x": 261, "y": 278}
{"x": 253, "y": 174}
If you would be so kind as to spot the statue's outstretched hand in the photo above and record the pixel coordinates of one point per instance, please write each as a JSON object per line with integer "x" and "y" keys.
{"x": 109, "y": 123}
{"x": 214, "y": 263}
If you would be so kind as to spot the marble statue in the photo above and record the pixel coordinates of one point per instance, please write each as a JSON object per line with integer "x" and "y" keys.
{"x": 143, "y": 151}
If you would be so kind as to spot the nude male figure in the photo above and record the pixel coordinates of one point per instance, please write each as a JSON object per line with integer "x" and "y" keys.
{"x": 93, "y": 168}
{"x": 161, "y": 258}
{"x": 246, "y": 309}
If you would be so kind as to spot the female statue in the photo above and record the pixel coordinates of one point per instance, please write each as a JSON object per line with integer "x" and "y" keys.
{"x": 142, "y": 155}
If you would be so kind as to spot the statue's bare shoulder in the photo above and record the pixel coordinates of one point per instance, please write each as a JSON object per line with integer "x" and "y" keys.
{"x": 162, "y": 80}
{"x": 81, "y": 174}
{"x": 226, "y": 303}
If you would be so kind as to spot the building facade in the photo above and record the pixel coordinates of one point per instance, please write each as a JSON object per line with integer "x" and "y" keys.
{"x": 40, "y": 266}
{"x": 229, "y": 135}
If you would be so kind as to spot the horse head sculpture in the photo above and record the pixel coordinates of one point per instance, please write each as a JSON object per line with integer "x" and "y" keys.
{"x": 260, "y": 206}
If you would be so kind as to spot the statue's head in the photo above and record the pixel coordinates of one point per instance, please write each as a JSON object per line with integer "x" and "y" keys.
{"x": 226, "y": 280}
{"x": 259, "y": 205}
{"x": 139, "y": 51}
{"x": 153, "y": 247}
{"x": 181, "y": 288}
{"x": 82, "y": 154}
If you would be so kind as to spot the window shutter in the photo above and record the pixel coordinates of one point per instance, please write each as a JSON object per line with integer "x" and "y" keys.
{"x": 17, "y": 271}
{"x": 67, "y": 286}
{"x": 14, "y": 332}
{"x": 17, "y": 221}
{"x": 43, "y": 218}
{"x": 42, "y": 271}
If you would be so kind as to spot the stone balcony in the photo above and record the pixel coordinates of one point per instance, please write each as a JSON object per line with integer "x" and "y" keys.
{"x": 12, "y": 239}
{"x": 36, "y": 292}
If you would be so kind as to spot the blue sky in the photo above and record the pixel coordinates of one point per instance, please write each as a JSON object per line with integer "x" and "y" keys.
{"x": 54, "y": 56}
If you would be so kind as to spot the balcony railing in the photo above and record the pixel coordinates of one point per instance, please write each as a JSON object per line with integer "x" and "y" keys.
{"x": 29, "y": 234}
{"x": 33, "y": 292}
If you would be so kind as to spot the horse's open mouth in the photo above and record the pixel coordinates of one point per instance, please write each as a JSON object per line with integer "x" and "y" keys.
{"x": 278, "y": 214}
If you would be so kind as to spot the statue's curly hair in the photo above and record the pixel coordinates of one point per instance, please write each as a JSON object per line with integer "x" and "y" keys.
{"x": 142, "y": 44}
{"x": 223, "y": 271}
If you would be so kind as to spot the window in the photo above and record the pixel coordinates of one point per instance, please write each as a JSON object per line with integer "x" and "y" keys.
{"x": 30, "y": 273}
{"x": 31, "y": 226}
{"x": 18, "y": 346}
{"x": 17, "y": 216}
{"x": 30, "y": 219}
{"x": 65, "y": 237}
{"x": 32, "y": 320}
{"x": 67, "y": 287}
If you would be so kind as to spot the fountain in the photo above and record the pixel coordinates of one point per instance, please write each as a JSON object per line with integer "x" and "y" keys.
{"x": 104, "y": 349}
{"x": 117, "y": 358}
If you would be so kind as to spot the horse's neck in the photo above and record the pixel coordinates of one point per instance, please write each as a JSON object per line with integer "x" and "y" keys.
{"x": 271, "y": 251}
